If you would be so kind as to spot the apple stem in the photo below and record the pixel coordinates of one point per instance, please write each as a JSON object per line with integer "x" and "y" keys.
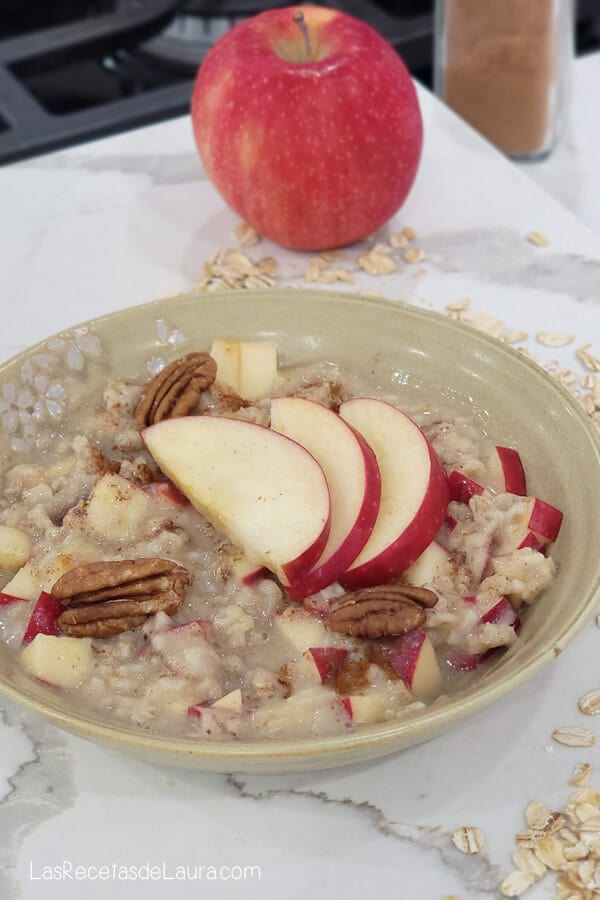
{"x": 301, "y": 23}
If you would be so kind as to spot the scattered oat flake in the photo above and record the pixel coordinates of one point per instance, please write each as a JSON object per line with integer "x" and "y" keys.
{"x": 527, "y": 861}
{"x": 581, "y": 775}
{"x": 587, "y": 359}
{"x": 537, "y": 814}
{"x": 515, "y": 337}
{"x": 517, "y": 883}
{"x": 331, "y": 255}
{"x": 414, "y": 255}
{"x": 459, "y": 305}
{"x": 247, "y": 235}
{"x": 409, "y": 233}
{"x": 376, "y": 263}
{"x": 538, "y": 239}
{"x": 398, "y": 240}
{"x": 554, "y": 339}
{"x": 468, "y": 839}
{"x": 590, "y": 703}
{"x": 382, "y": 248}
{"x": 574, "y": 737}
{"x": 550, "y": 852}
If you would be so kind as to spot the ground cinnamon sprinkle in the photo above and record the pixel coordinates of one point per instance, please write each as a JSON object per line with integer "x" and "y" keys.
{"x": 501, "y": 58}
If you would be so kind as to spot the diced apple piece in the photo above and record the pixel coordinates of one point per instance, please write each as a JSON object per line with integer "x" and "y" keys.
{"x": 31, "y": 579}
{"x": 231, "y": 701}
{"x": 166, "y": 492}
{"x": 328, "y": 660}
{"x": 502, "y": 613}
{"x": 353, "y": 478}
{"x": 480, "y": 561}
{"x": 227, "y": 356}
{"x": 462, "y": 488}
{"x": 433, "y": 563}
{"x": 464, "y": 662}
{"x": 536, "y": 521}
{"x": 63, "y": 661}
{"x": 15, "y": 547}
{"x": 300, "y": 628}
{"x": 264, "y": 491}
{"x": 368, "y": 708}
{"x": 9, "y": 599}
{"x": 414, "y": 492}
{"x": 506, "y": 472}
{"x": 258, "y": 369}
{"x": 117, "y": 509}
{"x": 413, "y": 659}
{"x": 43, "y": 619}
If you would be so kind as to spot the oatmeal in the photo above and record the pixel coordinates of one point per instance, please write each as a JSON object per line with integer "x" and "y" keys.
{"x": 232, "y": 551}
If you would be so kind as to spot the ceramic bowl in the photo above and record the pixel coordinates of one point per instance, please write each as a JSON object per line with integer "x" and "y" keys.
{"x": 420, "y": 353}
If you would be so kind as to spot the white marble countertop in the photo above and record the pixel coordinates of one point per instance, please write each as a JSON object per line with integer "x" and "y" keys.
{"x": 125, "y": 220}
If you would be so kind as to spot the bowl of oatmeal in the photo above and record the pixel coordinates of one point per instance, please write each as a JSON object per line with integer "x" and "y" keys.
{"x": 275, "y": 531}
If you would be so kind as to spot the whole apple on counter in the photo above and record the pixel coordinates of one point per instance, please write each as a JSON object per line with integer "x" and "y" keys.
{"x": 308, "y": 124}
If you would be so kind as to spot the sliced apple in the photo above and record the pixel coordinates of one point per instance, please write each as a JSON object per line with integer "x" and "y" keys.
{"x": 264, "y": 491}
{"x": 328, "y": 660}
{"x": 367, "y": 708}
{"x": 62, "y": 661}
{"x": 506, "y": 472}
{"x": 353, "y": 478}
{"x": 43, "y": 619}
{"x": 413, "y": 659}
{"x": 117, "y": 509}
{"x": 231, "y": 701}
{"x": 502, "y": 613}
{"x": 433, "y": 563}
{"x": 462, "y": 488}
{"x": 414, "y": 492}
{"x": 15, "y": 547}
{"x": 535, "y": 525}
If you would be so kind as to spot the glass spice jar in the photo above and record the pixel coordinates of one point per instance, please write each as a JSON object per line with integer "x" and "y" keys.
{"x": 505, "y": 67}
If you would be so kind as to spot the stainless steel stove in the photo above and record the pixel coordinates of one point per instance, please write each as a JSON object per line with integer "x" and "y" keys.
{"x": 71, "y": 70}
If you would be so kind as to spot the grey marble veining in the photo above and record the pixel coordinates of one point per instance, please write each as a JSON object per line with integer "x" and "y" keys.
{"x": 42, "y": 787}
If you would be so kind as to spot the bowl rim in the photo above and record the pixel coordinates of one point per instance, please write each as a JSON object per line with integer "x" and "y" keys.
{"x": 383, "y": 737}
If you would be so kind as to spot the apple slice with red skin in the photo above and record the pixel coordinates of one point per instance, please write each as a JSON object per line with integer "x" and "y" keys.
{"x": 462, "y": 488}
{"x": 329, "y": 661}
{"x": 537, "y": 526}
{"x": 353, "y": 478}
{"x": 432, "y": 563}
{"x": 502, "y": 613}
{"x": 7, "y": 599}
{"x": 414, "y": 492}
{"x": 413, "y": 658}
{"x": 507, "y": 475}
{"x": 43, "y": 619}
{"x": 263, "y": 490}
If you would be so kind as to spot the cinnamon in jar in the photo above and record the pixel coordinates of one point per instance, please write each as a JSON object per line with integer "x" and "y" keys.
{"x": 504, "y": 66}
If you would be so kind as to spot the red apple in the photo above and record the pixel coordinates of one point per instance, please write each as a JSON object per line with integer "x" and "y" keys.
{"x": 44, "y": 617}
{"x": 536, "y": 526}
{"x": 433, "y": 562}
{"x": 414, "y": 492}
{"x": 264, "y": 491}
{"x": 328, "y": 661}
{"x": 462, "y": 488}
{"x": 502, "y": 613}
{"x": 413, "y": 658}
{"x": 7, "y": 599}
{"x": 308, "y": 124}
{"x": 353, "y": 479}
{"x": 506, "y": 471}
{"x": 167, "y": 492}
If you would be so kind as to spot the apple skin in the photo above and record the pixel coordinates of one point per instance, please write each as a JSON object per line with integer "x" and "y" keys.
{"x": 43, "y": 619}
{"x": 313, "y": 150}
{"x": 508, "y": 472}
{"x": 462, "y": 488}
{"x": 404, "y": 548}
{"x": 346, "y": 459}
{"x": 328, "y": 661}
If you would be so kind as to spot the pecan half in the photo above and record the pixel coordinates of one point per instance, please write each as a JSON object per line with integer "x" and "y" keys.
{"x": 389, "y": 610}
{"x": 106, "y": 598}
{"x": 176, "y": 390}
